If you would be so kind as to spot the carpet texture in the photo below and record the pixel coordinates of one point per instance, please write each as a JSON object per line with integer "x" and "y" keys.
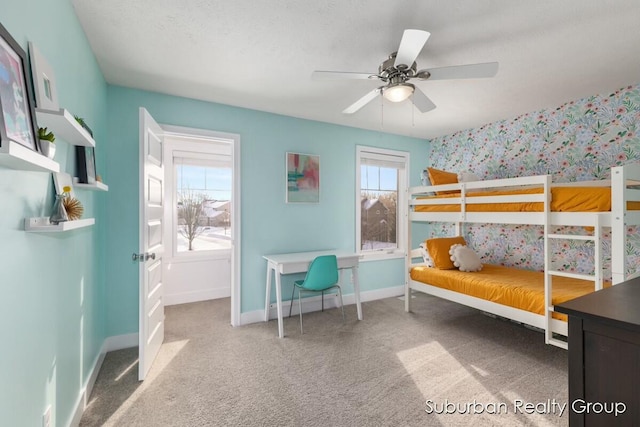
{"x": 391, "y": 369}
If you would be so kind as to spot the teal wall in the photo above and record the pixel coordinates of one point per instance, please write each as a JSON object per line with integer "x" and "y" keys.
{"x": 51, "y": 310}
{"x": 269, "y": 225}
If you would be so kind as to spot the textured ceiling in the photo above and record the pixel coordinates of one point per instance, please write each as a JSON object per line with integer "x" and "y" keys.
{"x": 260, "y": 54}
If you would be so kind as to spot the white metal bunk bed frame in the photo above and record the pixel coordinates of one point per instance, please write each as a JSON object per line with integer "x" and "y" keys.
{"x": 622, "y": 177}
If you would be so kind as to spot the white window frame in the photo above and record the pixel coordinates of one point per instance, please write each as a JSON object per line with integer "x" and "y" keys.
{"x": 363, "y": 152}
{"x": 209, "y": 154}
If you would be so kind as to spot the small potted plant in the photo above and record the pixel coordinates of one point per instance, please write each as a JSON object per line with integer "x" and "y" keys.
{"x": 47, "y": 142}
{"x": 82, "y": 123}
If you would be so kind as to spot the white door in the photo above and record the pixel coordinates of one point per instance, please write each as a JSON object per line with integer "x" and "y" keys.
{"x": 151, "y": 327}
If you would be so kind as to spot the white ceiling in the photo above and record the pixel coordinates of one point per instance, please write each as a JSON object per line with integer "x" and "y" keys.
{"x": 260, "y": 54}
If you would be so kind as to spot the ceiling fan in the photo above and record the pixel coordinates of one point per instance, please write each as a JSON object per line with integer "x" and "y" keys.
{"x": 400, "y": 67}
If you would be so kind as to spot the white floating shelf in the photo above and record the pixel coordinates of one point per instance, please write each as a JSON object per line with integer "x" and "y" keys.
{"x": 42, "y": 225}
{"x": 64, "y": 126}
{"x": 17, "y": 156}
{"x": 98, "y": 186}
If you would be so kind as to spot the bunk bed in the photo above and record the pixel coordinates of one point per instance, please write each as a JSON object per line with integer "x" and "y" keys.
{"x": 533, "y": 200}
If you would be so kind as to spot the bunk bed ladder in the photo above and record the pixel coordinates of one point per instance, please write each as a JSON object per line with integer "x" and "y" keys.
{"x": 620, "y": 194}
{"x": 548, "y": 285}
{"x": 550, "y": 272}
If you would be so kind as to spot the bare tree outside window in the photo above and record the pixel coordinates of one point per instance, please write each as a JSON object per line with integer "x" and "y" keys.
{"x": 190, "y": 205}
{"x": 203, "y": 206}
{"x": 390, "y": 201}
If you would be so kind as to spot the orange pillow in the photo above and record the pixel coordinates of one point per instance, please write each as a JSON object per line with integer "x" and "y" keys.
{"x": 439, "y": 251}
{"x": 438, "y": 177}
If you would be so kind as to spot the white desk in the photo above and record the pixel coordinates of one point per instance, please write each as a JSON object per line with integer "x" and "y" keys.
{"x": 299, "y": 263}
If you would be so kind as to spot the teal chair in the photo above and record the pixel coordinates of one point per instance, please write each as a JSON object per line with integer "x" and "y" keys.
{"x": 321, "y": 276}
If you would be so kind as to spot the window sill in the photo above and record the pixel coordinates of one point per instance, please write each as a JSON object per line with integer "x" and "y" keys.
{"x": 380, "y": 256}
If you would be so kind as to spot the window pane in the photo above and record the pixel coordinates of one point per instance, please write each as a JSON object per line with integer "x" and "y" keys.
{"x": 388, "y": 179}
{"x": 370, "y": 177}
{"x": 203, "y": 197}
{"x": 379, "y": 211}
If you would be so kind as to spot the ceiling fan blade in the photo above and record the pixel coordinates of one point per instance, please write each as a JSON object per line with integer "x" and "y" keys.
{"x": 361, "y": 102}
{"x": 471, "y": 71}
{"x": 422, "y": 101}
{"x": 410, "y": 46}
{"x": 340, "y": 75}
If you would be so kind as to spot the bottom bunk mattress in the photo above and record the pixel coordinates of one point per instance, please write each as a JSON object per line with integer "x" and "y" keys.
{"x": 523, "y": 289}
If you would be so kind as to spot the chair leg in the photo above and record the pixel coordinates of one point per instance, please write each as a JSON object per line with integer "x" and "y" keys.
{"x": 291, "y": 300}
{"x": 341, "y": 303}
{"x": 322, "y": 300}
{"x": 300, "y": 307}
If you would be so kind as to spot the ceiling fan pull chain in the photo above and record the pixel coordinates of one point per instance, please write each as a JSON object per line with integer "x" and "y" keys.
{"x": 381, "y": 113}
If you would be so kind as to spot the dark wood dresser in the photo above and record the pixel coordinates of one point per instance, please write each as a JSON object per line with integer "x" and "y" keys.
{"x": 604, "y": 356}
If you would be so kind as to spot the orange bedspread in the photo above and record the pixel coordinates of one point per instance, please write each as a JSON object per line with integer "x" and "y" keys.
{"x": 563, "y": 199}
{"x": 517, "y": 288}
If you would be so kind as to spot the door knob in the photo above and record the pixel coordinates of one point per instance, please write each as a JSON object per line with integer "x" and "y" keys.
{"x": 143, "y": 257}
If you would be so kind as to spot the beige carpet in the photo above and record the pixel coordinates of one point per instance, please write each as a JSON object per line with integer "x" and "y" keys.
{"x": 376, "y": 372}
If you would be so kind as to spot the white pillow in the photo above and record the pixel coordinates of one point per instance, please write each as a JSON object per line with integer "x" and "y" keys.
{"x": 425, "y": 255}
{"x": 465, "y": 258}
{"x": 467, "y": 176}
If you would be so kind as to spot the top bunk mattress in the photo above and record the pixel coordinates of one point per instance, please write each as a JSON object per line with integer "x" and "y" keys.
{"x": 523, "y": 289}
{"x": 563, "y": 199}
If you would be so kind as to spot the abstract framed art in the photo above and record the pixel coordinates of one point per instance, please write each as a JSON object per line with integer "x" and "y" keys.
{"x": 17, "y": 121}
{"x": 303, "y": 178}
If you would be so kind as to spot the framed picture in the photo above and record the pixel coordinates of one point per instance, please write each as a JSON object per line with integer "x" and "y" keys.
{"x": 44, "y": 80}
{"x": 17, "y": 121}
{"x": 62, "y": 180}
{"x": 303, "y": 178}
{"x": 86, "y": 160}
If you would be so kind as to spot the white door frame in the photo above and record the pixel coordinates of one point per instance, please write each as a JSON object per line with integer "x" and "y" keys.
{"x": 235, "y": 207}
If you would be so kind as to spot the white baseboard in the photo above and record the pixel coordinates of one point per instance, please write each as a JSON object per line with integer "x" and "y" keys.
{"x": 195, "y": 296}
{"x": 118, "y": 342}
{"x": 85, "y": 392}
{"x": 314, "y": 303}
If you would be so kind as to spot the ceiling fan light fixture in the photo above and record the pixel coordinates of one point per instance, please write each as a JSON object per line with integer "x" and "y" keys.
{"x": 398, "y": 92}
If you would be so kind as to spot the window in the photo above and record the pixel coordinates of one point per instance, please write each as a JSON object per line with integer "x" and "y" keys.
{"x": 381, "y": 207}
{"x": 203, "y": 202}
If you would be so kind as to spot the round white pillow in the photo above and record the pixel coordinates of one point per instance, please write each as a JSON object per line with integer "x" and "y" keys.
{"x": 465, "y": 258}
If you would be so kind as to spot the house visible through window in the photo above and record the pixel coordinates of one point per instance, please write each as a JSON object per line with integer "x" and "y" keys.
{"x": 203, "y": 204}
{"x": 381, "y": 202}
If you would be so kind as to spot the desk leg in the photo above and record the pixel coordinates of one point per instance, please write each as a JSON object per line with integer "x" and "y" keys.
{"x": 267, "y": 300}
{"x": 356, "y": 290}
{"x": 279, "y": 304}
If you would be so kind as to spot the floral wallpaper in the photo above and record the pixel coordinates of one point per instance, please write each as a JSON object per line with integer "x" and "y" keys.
{"x": 580, "y": 140}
